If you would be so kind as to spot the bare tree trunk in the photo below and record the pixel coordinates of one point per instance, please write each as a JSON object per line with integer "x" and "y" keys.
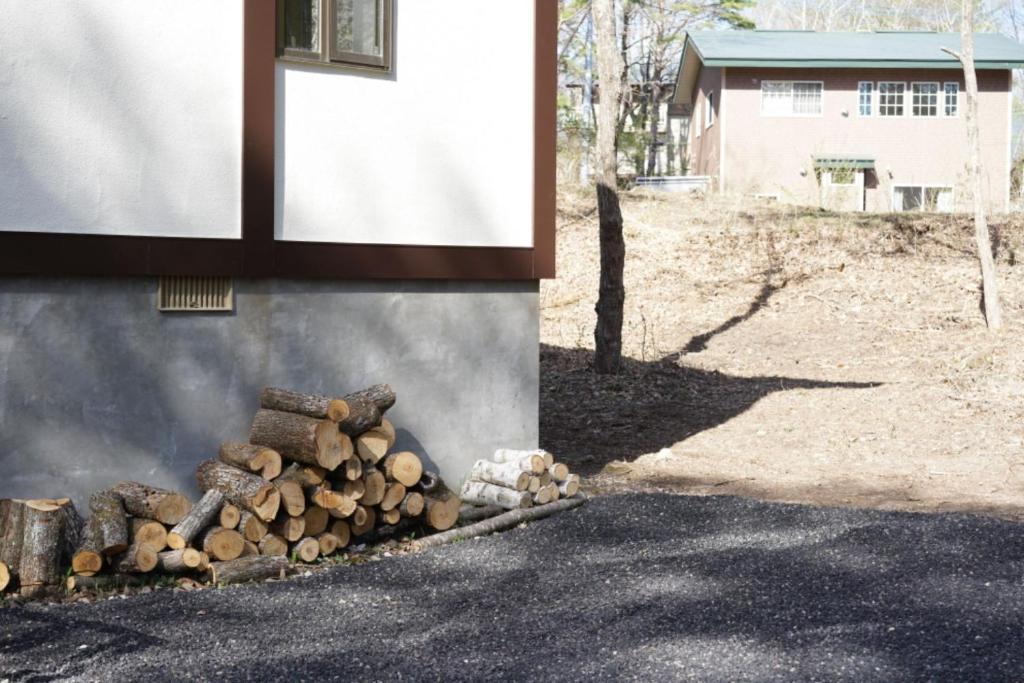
{"x": 990, "y": 285}
{"x": 652, "y": 144}
{"x": 612, "y": 294}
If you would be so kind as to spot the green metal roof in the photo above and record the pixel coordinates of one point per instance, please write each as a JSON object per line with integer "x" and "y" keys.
{"x": 861, "y": 50}
{"x": 852, "y": 161}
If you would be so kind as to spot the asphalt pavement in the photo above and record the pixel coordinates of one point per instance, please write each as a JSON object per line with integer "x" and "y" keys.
{"x": 632, "y": 587}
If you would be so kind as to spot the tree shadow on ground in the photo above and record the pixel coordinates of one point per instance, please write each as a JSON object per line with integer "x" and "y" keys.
{"x": 591, "y": 419}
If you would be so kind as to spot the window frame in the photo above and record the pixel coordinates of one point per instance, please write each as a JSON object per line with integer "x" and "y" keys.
{"x": 709, "y": 110}
{"x": 924, "y": 197}
{"x": 956, "y": 100}
{"x": 792, "y": 113}
{"x": 902, "y": 104}
{"x": 915, "y": 105}
{"x": 871, "y": 99}
{"x": 329, "y": 55}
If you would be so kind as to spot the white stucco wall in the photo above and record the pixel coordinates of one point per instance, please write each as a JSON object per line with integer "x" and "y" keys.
{"x": 438, "y": 153}
{"x": 121, "y": 117}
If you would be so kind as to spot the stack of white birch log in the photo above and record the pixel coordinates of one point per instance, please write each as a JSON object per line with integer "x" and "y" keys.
{"x": 519, "y": 479}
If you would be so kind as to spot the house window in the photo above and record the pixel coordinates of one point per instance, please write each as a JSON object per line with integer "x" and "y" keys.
{"x": 924, "y": 99}
{"x": 952, "y": 98}
{"x": 791, "y": 98}
{"x": 935, "y": 199}
{"x": 709, "y": 111}
{"x": 865, "y": 92}
{"x": 347, "y": 33}
{"x": 890, "y": 99}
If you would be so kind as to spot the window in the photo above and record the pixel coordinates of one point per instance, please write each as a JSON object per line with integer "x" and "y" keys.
{"x": 709, "y": 111}
{"x": 352, "y": 33}
{"x": 791, "y": 98}
{"x": 935, "y": 199}
{"x": 842, "y": 176}
{"x": 865, "y": 92}
{"x": 697, "y": 119}
{"x": 890, "y": 99}
{"x": 952, "y": 98}
{"x": 924, "y": 99}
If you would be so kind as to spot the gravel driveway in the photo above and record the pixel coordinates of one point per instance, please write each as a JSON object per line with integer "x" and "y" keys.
{"x": 635, "y": 587}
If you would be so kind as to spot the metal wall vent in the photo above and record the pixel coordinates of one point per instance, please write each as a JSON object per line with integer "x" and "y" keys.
{"x": 195, "y": 294}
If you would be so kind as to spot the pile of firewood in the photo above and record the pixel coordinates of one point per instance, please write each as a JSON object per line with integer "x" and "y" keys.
{"x": 519, "y": 479}
{"x": 316, "y": 474}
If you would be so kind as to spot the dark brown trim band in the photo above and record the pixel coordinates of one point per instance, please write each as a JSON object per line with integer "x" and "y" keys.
{"x": 258, "y": 254}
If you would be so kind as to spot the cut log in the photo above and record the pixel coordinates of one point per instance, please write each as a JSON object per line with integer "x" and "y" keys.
{"x": 301, "y": 438}
{"x": 221, "y": 544}
{"x": 545, "y": 479}
{"x": 288, "y": 528}
{"x": 260, "y": 460}
{"x": 149, "y": 532}
{"x": 363, "y": 415}
{"x": 162, "y": 505}
{"x": 430, "y": 482}
{"x": 345, "y": 509}
{"x": 372, "y": 445}
{"x": 388, "y": 430}
{"x": 374, "y": 484}
{"x": 259, "y": 568}
{"x": 311, "y": 405}
{"x": 201, "y": 516}
{"x": 530, "y": 461}
{"x": 341, "y": 531}
{"x": 138, "y": 559}
{"x": 534, "y": 485}
{"x": 381, "y": 395}
{"x": 293, "y": 498}
{"x": 353, "y": 469}
{"x": 508, "y": 474}
{"x": 273, "y": 546}
{"x": 307, "y": 550}
{"x": 355, "y": 489}
{"x": 406, "y": 468}
{"x": 179, "y": 561}
{"x": 392, "y": 516}
{"x": 111, "y": 523}
{"x": 412, "y": 505}
{"x": 230, "y": 516}
{"x": 361, "y": 523}
{"x": 329, "y": 544}
{"x": 5, "y": 577}
{"x": 474, "y": 513}
{"x": 204, "y": 562}
{"x": 104, "y": 582}
{"x": 559, "y": 472}
{"x": 504, "y": 521}
{"x": 328, "y": 499}
{"x": 442, "y": 508}
{"x": 317, "y": 519}
{"x": 249, "y": 549}
{"x": 12, "y": 523}
{"x": 304, "y": 475}
{"x": 570, "y": 487}
{"x": 42, "y": 547}
{"x": 482, "y": 493}
{"x": 88, "y": 559}
{"x": 73, "y": 530}
{"x": 251, "y": 527}
{"x": 543, "y": 497}
{"x": 243, "y": 489}
{"x": 394, "y": 494}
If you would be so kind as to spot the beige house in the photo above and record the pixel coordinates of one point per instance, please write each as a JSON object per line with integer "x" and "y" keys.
{"x": 848, "y": 121}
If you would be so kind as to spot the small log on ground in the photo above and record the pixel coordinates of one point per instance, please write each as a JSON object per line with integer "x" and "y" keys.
{"x": 201, "y": 516}
{"x": 442, "y": 507}
{"x": 204, "y": 562}
{"x": 474, "y": 513}
{"x": 570, "y": 487}
{"x": 251, "y": 527}
{"x": 361, "y": 523}
{"x": 230, "y": 516}
{"x": 374, "y": 484}
{"x": 293, "y": 498}
{"x": 394, "y": 494}
{"x": 104, "y": 582}
{"x": 42, "y": 547}
{"x": 149, "y": 532}
{"x": 341, "y": 531}
{"x": 88, "y": 559}
{"x": 258, "y": 568}
{"x": 310, "y": 405}
{"x": 508, "y": 474}
{"x": 288, "y": 528}
{"x": 300, "y": 438}
{"x": 307, "y": 550}
{"x": 329, "y": 543}
{"x": 220, "y": 544}
{"x": 12, "y": 523}
{"x": 74, "y": 527}
{"x": 530, "y": 461}
{"x": 543, "y": 496}
{"x": 138, "y": 559}
{"x": 317, "y": 519}
{"x": 482, "y": 493}
{"x": 111, "y": 522}
{"x": 559, "y": 472}
{"x": 179, "y": 561}
{"x": 273, "y": 546}
{"x": 392, "y": 516}
{"x": 260, "y": 460}
{"x": 169, "y": 507}
{"x": 504, "y": 521}
{"x": 304, "y": 475}
{"x": 244, "y": 489}
{"x": 406, "y": 468}
{"x": 5, "y": 577}
{"x": 412, "y": 505}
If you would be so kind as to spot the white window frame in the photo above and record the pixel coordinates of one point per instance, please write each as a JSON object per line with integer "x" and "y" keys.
{"x": 871, "y": 98}
{"x": 924, "y": 188}
{"x": 821, "y": 101}
{"x": 945, "y": 100}
{"x": 709, "y": 110}
{"x": 938, "y": 106}
{"x": 903, "y": 101}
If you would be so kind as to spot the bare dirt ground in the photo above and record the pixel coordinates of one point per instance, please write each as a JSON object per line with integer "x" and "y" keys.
{"x": 791, "y": 355}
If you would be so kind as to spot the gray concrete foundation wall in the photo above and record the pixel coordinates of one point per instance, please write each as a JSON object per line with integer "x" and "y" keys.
{"x": 97, "y": 386}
